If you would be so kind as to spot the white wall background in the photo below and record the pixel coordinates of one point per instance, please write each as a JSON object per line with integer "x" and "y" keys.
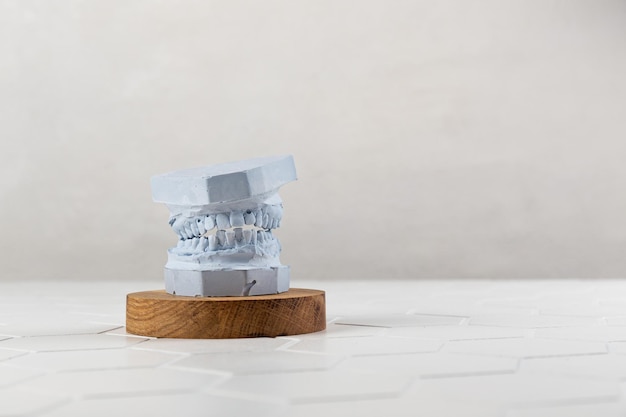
{"x": 433, "y": 139}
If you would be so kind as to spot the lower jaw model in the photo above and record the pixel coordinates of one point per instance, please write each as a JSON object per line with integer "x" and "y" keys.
{"x": 224, "y": 216}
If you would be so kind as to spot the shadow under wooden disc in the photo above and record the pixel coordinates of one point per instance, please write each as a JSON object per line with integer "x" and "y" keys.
{"x": 159, "y": 314}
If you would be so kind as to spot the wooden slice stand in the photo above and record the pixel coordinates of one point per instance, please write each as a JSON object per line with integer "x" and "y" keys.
{"x": 159, "y": 314}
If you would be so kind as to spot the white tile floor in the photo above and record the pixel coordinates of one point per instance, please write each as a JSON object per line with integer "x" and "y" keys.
{"x": 432, "y": 348}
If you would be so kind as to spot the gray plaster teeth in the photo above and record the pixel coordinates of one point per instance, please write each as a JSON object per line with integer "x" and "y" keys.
{"x": 248, "y": 217}
{"x": 200, "y": 223}
{"x": 176, "y": 227}
{"x": 223, "y": 221}
{"x": 221, "y": 237}
{"x": 230, "y": 238}
{"x": 258, "y": 218}
{"x": 275, "y": 212}
{"x": 223, "y": 216}
{"x": 212, "y": 243}
{"x": 236, "y": 219}
{"x": 247, "y": 235}
{"x": 238, "y": 236}
{"x": 209, "y": 222}
{"x": 188, "y": 231}
{"x": 194, "y": 227}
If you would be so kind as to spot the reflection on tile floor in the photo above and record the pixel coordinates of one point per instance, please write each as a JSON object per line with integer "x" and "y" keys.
{"x": 433, "y": 348}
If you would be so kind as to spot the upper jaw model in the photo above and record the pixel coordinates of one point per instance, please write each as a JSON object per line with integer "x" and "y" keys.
{"x": 224, "y": 216}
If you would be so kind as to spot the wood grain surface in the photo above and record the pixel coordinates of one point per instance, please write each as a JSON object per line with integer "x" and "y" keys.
{"x": 159, "y": 314}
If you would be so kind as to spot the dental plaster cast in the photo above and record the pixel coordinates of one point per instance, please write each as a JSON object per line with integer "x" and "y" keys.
{"x": 240, "y": 202}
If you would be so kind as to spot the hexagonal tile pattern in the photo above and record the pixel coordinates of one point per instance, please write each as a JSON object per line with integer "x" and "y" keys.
{"x": 612, "y": 409}
{"x": 95, "y": 359}
{"x": 243, "y": 363}
{"x": 306, "y": 387}
{"x": 366, "y": 345}
{"x": 198, "y": 404}
{"x": 512, "y": 390}
{"x": 20, "y": 402}
{"x": 593, "y": 366}
{"x": 120, "y": 382}
{"x": 430, "y": 365}
{"x": 438, "y": 348}
{"x": 525, "y": 348}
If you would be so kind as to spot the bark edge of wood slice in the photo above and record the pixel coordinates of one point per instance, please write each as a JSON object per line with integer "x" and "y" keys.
{"x": 159, "y": 314}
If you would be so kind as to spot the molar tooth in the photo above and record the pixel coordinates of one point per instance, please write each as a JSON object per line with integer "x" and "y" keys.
{"x": 239, "y": 236}
{"x": 276, "y": 213}
{"x": 230, "y": 238}
{"x": 249, "y": 217}
{"x": 236, "y": 219}
{"x": 180, "y": 244}
{"x": 212, "y": 243}
{"x": 247, "y": 236}
{"x": 177, "y": 228}
{"x": 209, "y": 222}
{"x": 223, "y": 221}
{"x": 188, "y": 243}
{"x": 258, "y": 218}
{"x": 221, "y": 237}
{"x": 203, "y": 244}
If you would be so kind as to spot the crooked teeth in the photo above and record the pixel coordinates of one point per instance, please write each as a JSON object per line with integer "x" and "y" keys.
{"x": 177, "y": 228}
{"x": 221, "y": 237}
{"x": 236, "y": 219}
{"x": 230, "y": 233}
{"x": 223, "y": 221}
{"x": 276, "y": 213}
{"x": 230, "y": 238}
{"x": 212, "y": 243}
{"x": 209, "y": 222}
{"x": 258, "y": 218}
{"x": 188, "y": 231}
{"x": 247, "y": 235}
{"x": 239, "y": 237}
{"x": 203, "y": 244}
{"x": 249, "y": 217}
{"x": 194, "y": 228}
{"x": 200, "y": 223}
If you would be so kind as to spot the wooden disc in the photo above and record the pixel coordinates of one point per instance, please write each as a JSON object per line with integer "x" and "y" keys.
{"x": 159, "y": 314}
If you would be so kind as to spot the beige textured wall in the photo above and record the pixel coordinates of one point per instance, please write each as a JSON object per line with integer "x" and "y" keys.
{"x": 433, "y": 139}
